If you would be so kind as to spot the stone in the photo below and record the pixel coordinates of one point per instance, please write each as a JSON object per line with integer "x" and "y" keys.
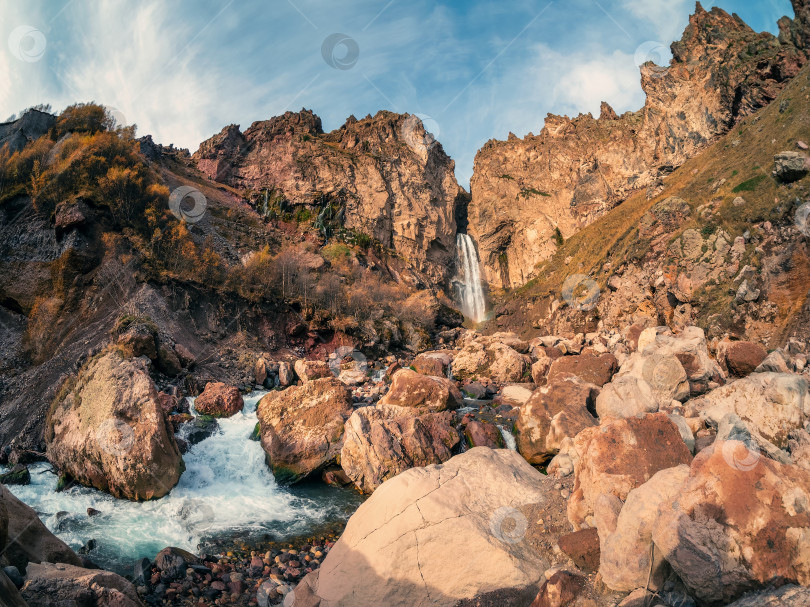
{"x": 302, "y": 427}
{"x": 110, "y": 432}
{"x": 308, "y": 370}
{"x": 740, "y": 358}
{"x": 425, "y": 392}
{"x": 619, "y": 456}
{"x": 790, "y": 166}
{"x": 515, "y": 395}
{"x": 394, "y": 549}
{"x": 747, "y": 292}
{"x": 540, "y": 368}
{"x": 18, "y": 475}
{"x": 219, "y": 400}
{"x": 491, "y": 357}
{"x": 592, "y": 368}
{"x": 54, "y": 585}
{"x": 482, "y": 434}
{"x": 432, "y": 363}
{"x": 626, "y": 396}
{"x": 558, "y": 410}
{"x": 382, "y": 441}
{"x": 625, "y": 562}
{"x": 167, "y": 360}
{"x": 784, "y": 596}
{"x": 138, "y": 340}
{"x": 173, "y": 562}
{"x": 771, "y": 404}
{"x": 559, "y": 590}
{"x": 25, "y": 539}
{"x": 286, "y": 374}
{"x": 777, "y": 361}
{"x": 739, "y": 522}
{"x": 582, "y": 547}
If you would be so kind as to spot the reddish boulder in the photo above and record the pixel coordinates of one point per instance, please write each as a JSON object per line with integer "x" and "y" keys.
{"x": 740, "y": 358}
{"x": 481, "y": 434}
{"x": 740, "y": 521}
{"x": 308, "y": 370}
{"x": 619, "y": 456}
{"x": 582, "y": 547}
{"x": 432, "y": 363}
{"x": 219, "y": 400}
{"x": 560, "y": 590}
{"x": 593, "y": 368}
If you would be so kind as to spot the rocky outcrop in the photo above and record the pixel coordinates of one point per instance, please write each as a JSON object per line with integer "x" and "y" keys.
{"x": 384, "y": 176}
{"x": 380, "y": 442}
{"x": 528, "y": 193}
{"x": 52, "y": 585}
{"x": 110, "y": 432}
{"x": 498, "y": 357}
{"x": 429, "y": 393}
{"x": 395, "y": 548}
{"x": 733, "y": 528}
{"x": 32, "y": 125}
{"x": 219, "y": 400}
{"x": 302, "y": 427}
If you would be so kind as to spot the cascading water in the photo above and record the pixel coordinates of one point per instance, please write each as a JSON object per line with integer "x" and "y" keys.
{"x": 226, "y": 491}
{"x": 470, "y": 291}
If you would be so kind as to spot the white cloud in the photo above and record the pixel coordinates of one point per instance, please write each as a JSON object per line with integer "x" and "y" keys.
{"x": 666, "y": 18}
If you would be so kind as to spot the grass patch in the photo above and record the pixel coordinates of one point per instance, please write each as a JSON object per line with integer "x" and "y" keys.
{"x": 750, "y": 185}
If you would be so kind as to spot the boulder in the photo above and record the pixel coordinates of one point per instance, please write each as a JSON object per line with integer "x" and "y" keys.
{"x": 286, "y": 374}
{"x": 740, "y": 358}
{"x": 412, "y": 389}
{"x": 625, "y": 562}
{"x": 482, "y": 434}
{"x": 540, "y": 367}
{"x": 57, "y": 585}
{"x": 491, "y": 357}
{"x": 173, "y": 562}
{"x": 138, "y": 340}
{"x": 25, "y": 539}
{"x": 382, "y": 441}
{"x": 9, "y": 593}
{"x": 432, "y": 363}
{"x": 560, "y": 589}
{"x": 558, "y": 410}
{"x": 302, "y": 427}
{"x": 395, "y": 548}
{"x": 790, "y": 166}
{"x": 771, "y": 404}
{"x": 590, "y": 367}
{"x": 515, "y": 394}
{"x": 582, "y": 547}
{"x": 167, "y": 360}
{"x": 778, "y": 361}
{"x": 18, "y": 475}
{"x": 219, "y": 400}
{"x": 626, "y": 396}
{"x": 619, "y": 456}
{"x": 110, "y": 432}
{"x": 738, "y": 522}
{"x": 308, "y": 370}
{"x": 788, "y": 595}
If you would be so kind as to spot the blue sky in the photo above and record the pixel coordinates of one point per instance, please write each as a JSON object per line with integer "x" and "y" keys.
{"x": 474, "y": 70}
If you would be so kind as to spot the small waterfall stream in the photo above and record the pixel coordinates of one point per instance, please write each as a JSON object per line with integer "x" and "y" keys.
{"x": 470, "y": 291}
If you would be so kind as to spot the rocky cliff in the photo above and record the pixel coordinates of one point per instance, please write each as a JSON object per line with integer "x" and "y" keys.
{"x": 385, "y": 174}
{"x": 529, "y": 194}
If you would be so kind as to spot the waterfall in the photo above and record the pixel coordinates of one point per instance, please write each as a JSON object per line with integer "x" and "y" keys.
{"x": 470, "y": 292}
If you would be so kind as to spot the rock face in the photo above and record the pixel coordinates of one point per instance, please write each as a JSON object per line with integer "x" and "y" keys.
{"x": 24, "y": 539}
{"x": 395, "y": 547}
{"x": 771, "y": 404}
{"x": 382, "y": 441}
{"x": 386, "y": 176}
{"x": 219, "y": 400}
{"x": 575, "y": 170}
{"x": 551, "y": 414}
{"x": 733, "y": 528}
{"x": 56, "y": 585}
{"x": 620, "y": 455}
{"x": 302, "y": 427}
{"x": 110, "y": 432}
{"x": 411, "y": 389}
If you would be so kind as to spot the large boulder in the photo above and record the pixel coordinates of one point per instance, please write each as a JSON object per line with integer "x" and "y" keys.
{"x": 25, "y": 539}
{"x": 302, "y": 427}
{"x": 625, "y": 549}
{"x": 411, "y": 389}
{"x": 626, "y": 396}
{"x": 219, "y": 400}
{"x": 771, "y": 404}
{"x": 590, "y": 367}
{"x": 110, "y": 432}
{"x": 740, "y": 358}
{"x": 308, "y": 370}
{"x": 491, "y": 357}
{"x": 382, "y": 441}
{"x": 58, "y": 585}
{"x": 459, "y": 533}
{"x": 433, "y": 363}
{"x": 619, "y": 456}
{"x": 552, "y": 413}
{"x": 790, "y": 166}
{"x": 740, "y": 521}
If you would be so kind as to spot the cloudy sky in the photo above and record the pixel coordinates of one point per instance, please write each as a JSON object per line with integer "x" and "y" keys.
{"x": 472, "y": 69}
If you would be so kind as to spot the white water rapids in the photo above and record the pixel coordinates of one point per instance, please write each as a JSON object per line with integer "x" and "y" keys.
{"x": 470, "y": 291}
{"x": 227, "y": 490}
